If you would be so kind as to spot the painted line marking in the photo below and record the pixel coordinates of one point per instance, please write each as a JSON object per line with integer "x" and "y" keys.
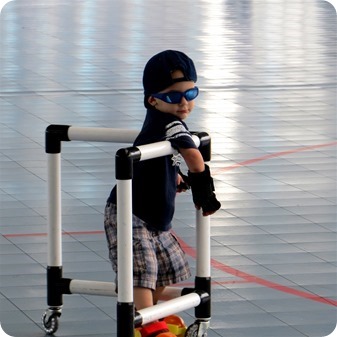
{"x": 258, "y": 280}
{"x": 246, "y": 278}
{"x": 218, "y": 265}
{"x": 271, "y": 156}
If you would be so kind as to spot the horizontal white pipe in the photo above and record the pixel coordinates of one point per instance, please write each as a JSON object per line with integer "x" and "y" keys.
{"x": 93, "y": 288}
{"x": 160, "y": 149}
{"x": 171, "y": 307}
{"x": 102, "y": 134}
{"x": 196, "y": 140}
{"x": 108, "y": 135}
{"x": 99, "y": 288}
{"x": 155, "y": 150}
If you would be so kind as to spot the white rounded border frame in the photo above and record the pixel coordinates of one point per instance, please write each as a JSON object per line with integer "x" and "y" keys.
{"x": 333, "y": 3}
{"x": 3, "y": 4}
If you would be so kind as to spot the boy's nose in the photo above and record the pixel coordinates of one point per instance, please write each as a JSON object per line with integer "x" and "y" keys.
{"x": 183, "y": 101}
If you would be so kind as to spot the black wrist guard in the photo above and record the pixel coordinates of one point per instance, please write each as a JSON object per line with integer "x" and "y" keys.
{"x": 203, "y": 191}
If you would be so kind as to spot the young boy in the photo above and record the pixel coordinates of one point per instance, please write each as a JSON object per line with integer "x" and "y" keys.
{"x": 169, "y": 88}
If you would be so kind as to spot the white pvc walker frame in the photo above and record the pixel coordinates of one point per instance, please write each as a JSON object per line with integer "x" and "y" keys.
{"x": 175, "y": 299}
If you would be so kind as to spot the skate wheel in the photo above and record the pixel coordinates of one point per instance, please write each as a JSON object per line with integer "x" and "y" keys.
{"x": 51, "y": 323}
{"x": 193, "y": 330}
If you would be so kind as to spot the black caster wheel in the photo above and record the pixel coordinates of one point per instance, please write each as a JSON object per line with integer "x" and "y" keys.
{"x": 197, "y": 329}
{"x": 50, "y": 321}
{"x": 193, "y": 330}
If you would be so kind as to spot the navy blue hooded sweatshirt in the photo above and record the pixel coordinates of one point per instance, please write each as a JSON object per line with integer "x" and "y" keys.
{"x": 154, "y": 183}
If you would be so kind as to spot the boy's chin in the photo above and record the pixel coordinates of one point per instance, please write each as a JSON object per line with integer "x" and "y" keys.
{"x": 183, "y": 115}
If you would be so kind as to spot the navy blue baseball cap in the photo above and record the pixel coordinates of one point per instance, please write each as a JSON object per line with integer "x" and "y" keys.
{"x": 157, "y": 74}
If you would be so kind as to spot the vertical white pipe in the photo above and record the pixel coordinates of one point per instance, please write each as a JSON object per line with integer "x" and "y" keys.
{"x": 124, "y": 241}
{"x": 203, "y": 245}
{"x": 54, "y": 210}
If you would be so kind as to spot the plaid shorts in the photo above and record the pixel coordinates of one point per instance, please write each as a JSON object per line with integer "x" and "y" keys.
{"x": 158, "y": 259}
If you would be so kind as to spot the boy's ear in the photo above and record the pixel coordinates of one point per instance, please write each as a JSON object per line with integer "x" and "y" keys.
{"x": 152, "y": 100}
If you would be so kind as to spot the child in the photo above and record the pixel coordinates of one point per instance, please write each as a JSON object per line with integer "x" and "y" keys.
{"x": 169, "y": 88}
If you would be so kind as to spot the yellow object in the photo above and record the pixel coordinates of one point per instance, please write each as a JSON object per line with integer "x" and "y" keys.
{"x": 179, "y": 331}
{"x": 176, "y": 325}
{"x": 137, "y": 333}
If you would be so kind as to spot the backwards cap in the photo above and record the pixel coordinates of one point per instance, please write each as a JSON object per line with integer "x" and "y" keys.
{"x": 157, "y": 74}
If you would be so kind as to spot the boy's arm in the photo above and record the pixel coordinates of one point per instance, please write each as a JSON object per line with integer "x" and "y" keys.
{"x": 200, "y": 181}
{"x": 193, "y": 159}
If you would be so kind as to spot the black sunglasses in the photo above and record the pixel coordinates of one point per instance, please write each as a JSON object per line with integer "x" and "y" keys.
{"x": 175, "y": 97}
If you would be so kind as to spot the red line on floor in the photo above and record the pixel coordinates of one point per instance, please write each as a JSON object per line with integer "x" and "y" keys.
{"x": 215, "y": 264}
{"x": 270, "y": 156}
{"x": 254, "y": 279}
{"x": 192, "y": 284}
{"x": 220, "y": 266}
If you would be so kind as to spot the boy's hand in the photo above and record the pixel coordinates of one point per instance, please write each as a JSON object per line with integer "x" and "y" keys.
{"x": 203, "y": 191}
{"x": 182, "y": 183}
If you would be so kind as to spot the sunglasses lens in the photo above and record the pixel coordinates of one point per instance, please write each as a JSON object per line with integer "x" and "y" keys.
{"x": 191, "y": 94}
{"x": 175, "y": 97}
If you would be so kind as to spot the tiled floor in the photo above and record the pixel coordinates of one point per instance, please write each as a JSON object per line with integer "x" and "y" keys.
{"x": 267, "y": 73}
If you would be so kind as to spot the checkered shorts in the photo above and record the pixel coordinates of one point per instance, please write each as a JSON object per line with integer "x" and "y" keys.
{"x": 158, "y": 259}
